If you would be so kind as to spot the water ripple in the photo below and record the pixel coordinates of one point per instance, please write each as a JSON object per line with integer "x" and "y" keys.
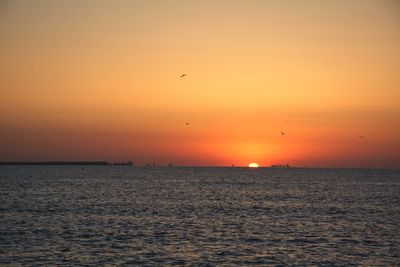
{"x": 198, "y": 216}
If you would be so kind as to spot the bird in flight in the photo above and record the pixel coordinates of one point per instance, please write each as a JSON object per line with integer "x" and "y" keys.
{"x": 187, "y": 123}
{"x": 183, "y": 75}
{"x": 282, "y": 133}
{"x": 360, "y": 136}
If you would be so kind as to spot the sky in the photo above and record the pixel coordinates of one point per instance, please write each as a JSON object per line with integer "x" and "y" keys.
{"x": 100, "y": 80}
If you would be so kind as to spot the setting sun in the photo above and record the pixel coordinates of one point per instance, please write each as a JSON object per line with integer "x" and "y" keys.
{"x": 254, "y": 165}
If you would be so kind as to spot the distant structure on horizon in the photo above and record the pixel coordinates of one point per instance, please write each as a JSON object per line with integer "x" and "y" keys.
{"x": 280, "y": 166}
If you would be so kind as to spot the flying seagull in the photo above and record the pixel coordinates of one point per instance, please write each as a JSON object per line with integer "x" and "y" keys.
{"x": 282, "y": 133}
{"x": 187, "y": 123}
{"x": 360, "y": 136}
{"x": 183, "y": 75}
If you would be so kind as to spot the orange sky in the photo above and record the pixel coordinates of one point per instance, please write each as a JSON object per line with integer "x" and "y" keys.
{"x": 99, "y": 80}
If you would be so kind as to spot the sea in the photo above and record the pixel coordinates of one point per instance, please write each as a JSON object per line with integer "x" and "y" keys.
{"x": 198, "y": 216}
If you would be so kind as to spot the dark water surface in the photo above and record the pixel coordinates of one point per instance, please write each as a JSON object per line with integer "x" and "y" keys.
{"x": 66, "y": 215}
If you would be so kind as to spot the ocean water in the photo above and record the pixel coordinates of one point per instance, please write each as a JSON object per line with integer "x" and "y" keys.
{"x": 119, "y": 215}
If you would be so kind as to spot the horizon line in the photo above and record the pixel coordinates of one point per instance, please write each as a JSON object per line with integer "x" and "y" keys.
{"x": 147, "y": 165}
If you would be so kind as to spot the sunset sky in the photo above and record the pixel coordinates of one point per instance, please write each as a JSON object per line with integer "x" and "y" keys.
{"x": 100, "y": 80}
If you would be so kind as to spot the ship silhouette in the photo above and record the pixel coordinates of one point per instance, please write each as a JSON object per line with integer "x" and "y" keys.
{"x": 280, "y": 166}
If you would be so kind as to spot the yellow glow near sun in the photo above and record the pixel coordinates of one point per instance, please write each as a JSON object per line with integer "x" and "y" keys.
{"x": 254, "y": 165}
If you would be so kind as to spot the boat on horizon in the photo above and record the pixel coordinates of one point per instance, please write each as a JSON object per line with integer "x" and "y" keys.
{"x": 283, "y": 166}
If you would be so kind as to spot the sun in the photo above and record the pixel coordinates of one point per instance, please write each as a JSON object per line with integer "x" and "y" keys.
{"x": 254, "y": 165}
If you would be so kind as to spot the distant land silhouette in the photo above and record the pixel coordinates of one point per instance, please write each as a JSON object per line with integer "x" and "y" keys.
{"x": 102, "y": 163}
